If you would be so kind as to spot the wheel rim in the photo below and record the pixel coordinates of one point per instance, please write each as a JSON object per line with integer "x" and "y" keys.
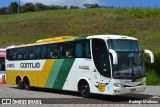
{"x": 85, "y": 89}
{"x": 27, "y": 84}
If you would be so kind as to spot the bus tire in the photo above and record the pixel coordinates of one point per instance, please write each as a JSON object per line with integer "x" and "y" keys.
{"x": 84, "y": 89}
{"x": 26, "y": 83}
{"x": 19, "y": 83}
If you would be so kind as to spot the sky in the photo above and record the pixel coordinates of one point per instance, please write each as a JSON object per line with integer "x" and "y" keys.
{"x": 114, "y": 3}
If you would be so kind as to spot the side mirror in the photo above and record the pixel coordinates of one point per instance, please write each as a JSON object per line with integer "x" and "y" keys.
{"x": 150, "y": 54}
{"x": 115, "y": 57}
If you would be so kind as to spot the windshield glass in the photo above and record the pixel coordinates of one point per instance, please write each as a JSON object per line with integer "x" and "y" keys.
{"x": 123, "y": 45}
{"x": 130, "y": 66}
{"x": 130, "y": 59}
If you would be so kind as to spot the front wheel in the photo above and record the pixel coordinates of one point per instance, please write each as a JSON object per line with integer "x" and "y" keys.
{"x": 85, "y": 90}
{"x": 26, "y": 83}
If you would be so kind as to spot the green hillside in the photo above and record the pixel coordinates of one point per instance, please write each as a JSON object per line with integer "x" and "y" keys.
{"x": 143, "y": 24}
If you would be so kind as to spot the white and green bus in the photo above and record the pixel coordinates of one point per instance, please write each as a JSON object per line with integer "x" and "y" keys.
{"x": 101, "y": 64}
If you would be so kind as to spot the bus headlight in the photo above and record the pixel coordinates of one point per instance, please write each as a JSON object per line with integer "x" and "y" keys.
{"x": 118, "y": 85}
{"x": 144, "y": 83}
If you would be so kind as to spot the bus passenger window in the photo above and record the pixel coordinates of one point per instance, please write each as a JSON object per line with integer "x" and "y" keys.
{"x": 69, "y": 49}
{"x": 82, "y": 49}
{"x": 55, "y": 53}
{"x": 38, "y": 52}
{"x": 44, "y": 52}
{"x": 14, "y": 56}
{"x": 68, "y": 54}
{"x": 30, "y": 53}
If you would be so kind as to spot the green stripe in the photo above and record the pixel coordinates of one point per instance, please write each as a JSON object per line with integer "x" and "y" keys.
{"x": 63, "y": 73}
{"x": 53, "y": 73}
{"x": 80, "y": 38}
{"x": 75, "y": 39}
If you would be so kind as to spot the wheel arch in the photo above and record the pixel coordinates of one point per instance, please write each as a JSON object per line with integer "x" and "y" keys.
{"x": 18, "y": 76}
{"x": 82, "y": 80}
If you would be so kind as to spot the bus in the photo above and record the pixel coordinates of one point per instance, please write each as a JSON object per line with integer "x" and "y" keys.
{"x": 2, "y": 62}
{"x": 101, "y": 64}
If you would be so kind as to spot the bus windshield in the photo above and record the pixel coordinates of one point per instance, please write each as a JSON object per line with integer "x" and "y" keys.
{"x": 130, "y": 66}
{"x": 130, "y": 59}
{"x": 123, "y": 45}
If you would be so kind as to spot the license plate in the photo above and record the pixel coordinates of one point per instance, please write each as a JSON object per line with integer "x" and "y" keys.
{"x": 133, "y": 90}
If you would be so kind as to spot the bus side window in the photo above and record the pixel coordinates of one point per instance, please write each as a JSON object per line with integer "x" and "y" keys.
{"x": 78, "y": 50}
{"x": 44, "y": 52}
{"x": 30, "y": 53}
{"x": 21, "y": 53}
{"x": 69, "y": 49}
{"x": 55, "y": 53}
{"x": 62, "y": 50}
{"x": 82, "y": 49}
{"x": 12, "y": 54}
{"x": 38, "y": 52}
{"x": 49, "y": 50}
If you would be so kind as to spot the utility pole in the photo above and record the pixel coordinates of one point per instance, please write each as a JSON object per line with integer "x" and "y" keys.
{"x": 18, "y": 12}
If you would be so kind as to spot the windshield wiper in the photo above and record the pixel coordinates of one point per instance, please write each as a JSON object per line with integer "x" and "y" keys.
{"x": 138, "y": 70}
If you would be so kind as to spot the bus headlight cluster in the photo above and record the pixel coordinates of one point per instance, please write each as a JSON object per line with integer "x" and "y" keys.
{"x": 144, "y": 83}
{"x": 118, "y": 85}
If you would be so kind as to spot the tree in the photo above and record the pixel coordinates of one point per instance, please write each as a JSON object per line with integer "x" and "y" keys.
{"x": 74, "y": 7}
{"x": 2, "y": 11}
{"x": 13, "y": 8}
{"x": 91, "y": 5}
{"x": 28, "y": 7}
{"x": 57, "y": 7}
{"x": 40, "y": 7}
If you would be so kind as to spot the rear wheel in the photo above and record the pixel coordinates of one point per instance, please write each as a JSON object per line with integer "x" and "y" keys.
{"x": 84, "y": 89}
{"x": 26, "y": 83}
{"x": 19, "y": 83}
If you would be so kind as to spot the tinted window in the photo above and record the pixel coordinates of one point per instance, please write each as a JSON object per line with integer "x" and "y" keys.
{"x": 30, "y": 53}
{"x": 74, "y": 49}
{"x": 123, "y": 45}
{"x": 82, "y": 49}
{"x": 21, "y": 54}
{"x": 101, "y": 57}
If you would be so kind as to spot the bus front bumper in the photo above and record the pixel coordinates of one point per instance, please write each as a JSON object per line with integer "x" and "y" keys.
{"x": 126, "y": 90}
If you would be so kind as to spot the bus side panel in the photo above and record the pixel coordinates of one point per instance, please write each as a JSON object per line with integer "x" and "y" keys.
{"x": 53, "y": 73}
{"x": 37, "y": 77}
{"x": 81, "y": 69}
{"x": 44, "y": 74}
{"x": 59, "y": 73}
{"x": 12, "y": 75}
{"x": 9, "y": 77}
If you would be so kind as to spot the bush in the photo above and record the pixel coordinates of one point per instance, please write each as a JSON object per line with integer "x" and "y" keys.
{"x": 156, "y": 65}
{"x": 152, "y": 78}
{"x": 153, "y": 70}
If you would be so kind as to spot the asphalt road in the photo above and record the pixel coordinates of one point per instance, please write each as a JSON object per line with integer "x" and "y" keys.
{"x": 69, "y": 99}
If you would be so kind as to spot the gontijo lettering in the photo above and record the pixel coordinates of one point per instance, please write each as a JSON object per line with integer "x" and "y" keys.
{"x": 30, "y": 65}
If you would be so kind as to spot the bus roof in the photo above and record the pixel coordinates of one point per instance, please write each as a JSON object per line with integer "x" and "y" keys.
{"x": 73, "y": 38}
{"x": 106, "y": 37}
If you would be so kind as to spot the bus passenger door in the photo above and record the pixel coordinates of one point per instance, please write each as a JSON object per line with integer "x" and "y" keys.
{"x": 102, "y": 75}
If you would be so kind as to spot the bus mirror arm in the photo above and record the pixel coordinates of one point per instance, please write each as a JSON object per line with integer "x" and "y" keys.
{"x": 150, "y": 54}
{"x": 115, "y": 57}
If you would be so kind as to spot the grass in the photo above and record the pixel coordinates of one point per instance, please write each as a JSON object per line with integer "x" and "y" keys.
{"x": 152, "y": 78}
{"x": 29, "y": 27}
